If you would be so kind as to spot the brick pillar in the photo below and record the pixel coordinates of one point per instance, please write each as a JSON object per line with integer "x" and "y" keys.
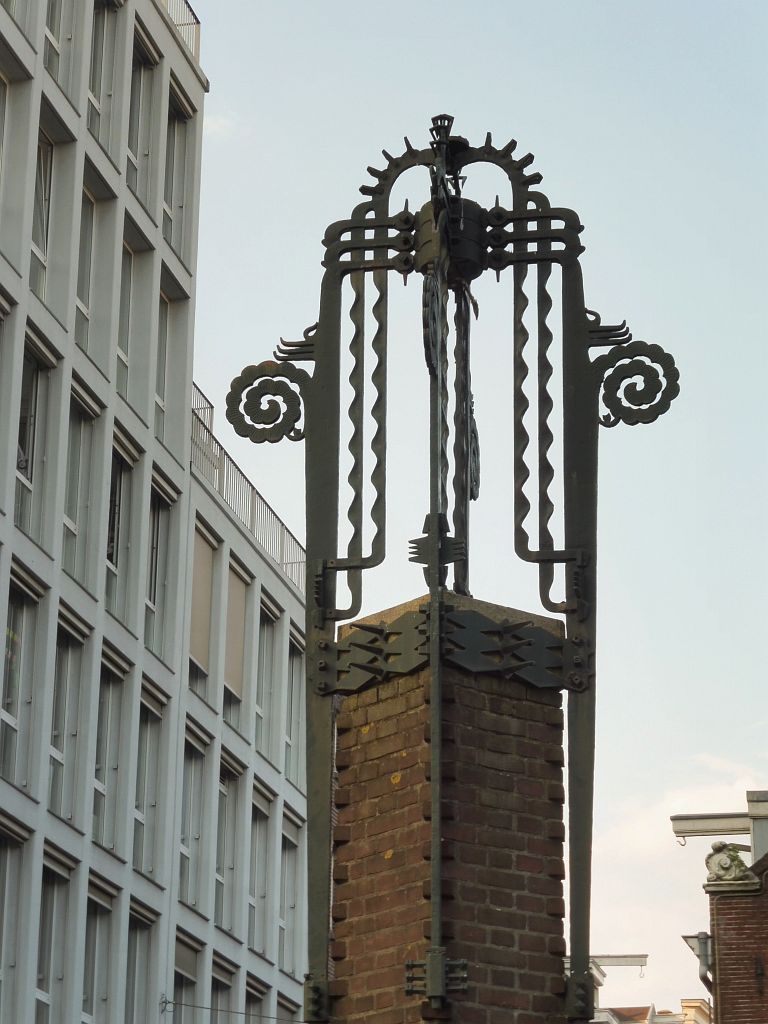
{"x": 501, "y": 838}
{"x": 738, "y": 909}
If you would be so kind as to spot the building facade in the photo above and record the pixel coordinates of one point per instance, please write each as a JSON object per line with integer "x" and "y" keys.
{"x": 152, "y": 850}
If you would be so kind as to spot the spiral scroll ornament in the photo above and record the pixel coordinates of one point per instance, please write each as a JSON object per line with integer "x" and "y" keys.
{"x": 265, "y": 403}
{"x": 638, "y": 383}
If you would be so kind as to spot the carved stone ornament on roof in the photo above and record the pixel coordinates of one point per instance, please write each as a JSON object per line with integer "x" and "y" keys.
{"x": 725, "y": 864}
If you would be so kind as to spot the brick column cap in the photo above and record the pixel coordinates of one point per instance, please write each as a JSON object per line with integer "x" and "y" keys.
{"x": 495, "y": 612}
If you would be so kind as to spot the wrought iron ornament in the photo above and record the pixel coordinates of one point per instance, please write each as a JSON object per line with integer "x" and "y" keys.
{"x": 450, "y": 241}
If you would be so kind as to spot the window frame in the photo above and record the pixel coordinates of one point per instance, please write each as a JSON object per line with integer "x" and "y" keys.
{"x": 24, "y": 594}
{"x": 226, "y": 847}
{"x": 177, "y": 145}
{"x": 52, "y": 934}
{"x": 266, "y": 666}
{"x": 289, "y": 898}
{"x": 41, "y": 214}
{"x": 138, "y": 965}
{"x": 122, "y": 368}
{"x": 66, "y": 698}
{"x": 11, "y": 854}
{"x": 96, "y": 962}
{"x": 106, "y": 769}
{"x": 54, "y": 10}
{"x": 192, "y": 817}
{"x": 31, "y": 440}
{"x": 161, "y": 365}
{"x": 85, "y": 250}
{"x": 158, "y": 543}
{"x": 138, "y": 169}
{"x": 259, "y": 873}
{"x": 83, "y": 412}
{"x": 294, "y": 712}
{"x": 147, "y": 789}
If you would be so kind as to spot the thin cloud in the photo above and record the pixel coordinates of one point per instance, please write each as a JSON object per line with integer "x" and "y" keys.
{"x": 220, "y": 126}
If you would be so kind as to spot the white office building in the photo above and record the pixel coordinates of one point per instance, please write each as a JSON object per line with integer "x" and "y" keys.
{"x": 152, "y": 803}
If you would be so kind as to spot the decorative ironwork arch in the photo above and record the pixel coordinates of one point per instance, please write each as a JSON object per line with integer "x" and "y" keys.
{"x": 450, "y": 241}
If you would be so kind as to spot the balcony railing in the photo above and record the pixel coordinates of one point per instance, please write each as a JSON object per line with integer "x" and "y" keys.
{"x": 214, "y": 463}
{"x": 187, "y": 22}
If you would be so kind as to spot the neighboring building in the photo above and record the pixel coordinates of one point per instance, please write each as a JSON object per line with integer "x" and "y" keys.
{"x": 733, "y": 957}
{"x": 151, "y": 778}
{"x": 692, "y": 1011}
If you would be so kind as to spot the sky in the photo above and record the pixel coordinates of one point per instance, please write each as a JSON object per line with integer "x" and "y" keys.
{"x": 648, "y": 119}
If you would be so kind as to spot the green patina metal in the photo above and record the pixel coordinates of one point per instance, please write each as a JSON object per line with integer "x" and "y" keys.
{"x": 450, "y": 241}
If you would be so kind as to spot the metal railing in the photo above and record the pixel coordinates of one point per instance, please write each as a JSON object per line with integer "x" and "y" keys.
{"x": 202, "y": 405}
{"x": 187, "y": 22}
{"x": 215, "y": 464}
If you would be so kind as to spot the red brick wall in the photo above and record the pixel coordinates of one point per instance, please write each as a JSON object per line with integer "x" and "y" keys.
{"x": 380, "y": 841}
{"x": 739, "y": 929}
{"x": 502, "y": 850}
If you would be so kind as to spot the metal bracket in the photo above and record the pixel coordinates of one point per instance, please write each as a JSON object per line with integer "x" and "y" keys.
{"x": 436, "y": 976}
{"x": 316, "y": 1001}
{"x": 517, "y": 650}
{"x": 579, "y": 998}
{"x": 372, "y": 654}
{"x": 451, "y": 549}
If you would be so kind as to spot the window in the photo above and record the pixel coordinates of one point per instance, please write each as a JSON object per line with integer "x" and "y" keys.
{"x": 124, "y": 321}
{"x": 200, "y": 629}
{"x": 265, "y": 679}
{"x": 140, "y": 119}
{"x": 226, "y": 837}
{"x": 179, "y": 113}
{"x": 254, "y": 1000}
{"x": 294, "y": 699}
{"x": 287, "y": 1012}
{"x": 222, "y": 976}
{"x": 137, "y": 1001}
{"x": 18, "y": 675}
{"x": 157, "y": 571}
{"x": 3, "y": 103}
{"x": 258, "y": 874}
{"x": 64, "y": 724}
{"x": 147, "y": 781}
{"x": 31, "y": 444}
{"x": 98, "y": 928}
{"x": 105, "y": 783}
{"x": 191, "y": 821}
{"x": 52, "y": 46}
{"x": 234, "y": 661}
{"x": 96, "y": 67}
{"x": 161, "y": 367}
{"x": 52, "y": 941}
{"x": 41, "y": 214}
{"x": 77, "y": 490}
{"x": 118, "y": 526}
{"x": 10, "y": 884}
{"x": 286, "y": 926}
{"x": 84, "y": 260}
{"x": 101, "y": 66}
{"x": 185, "y": 979}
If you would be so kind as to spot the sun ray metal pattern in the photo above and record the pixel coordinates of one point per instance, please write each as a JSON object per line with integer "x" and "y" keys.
{"x": 607, "y": 378}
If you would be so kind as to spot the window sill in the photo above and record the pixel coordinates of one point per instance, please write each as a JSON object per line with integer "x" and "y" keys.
{"x": 261, "y": 956}
{"x": 66, "y": 821}
{"x": 149, "y": 878}
{"x": 229, "y": 933}
{"x": 109, "y": 852}
{"x": 194, "y": 910}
